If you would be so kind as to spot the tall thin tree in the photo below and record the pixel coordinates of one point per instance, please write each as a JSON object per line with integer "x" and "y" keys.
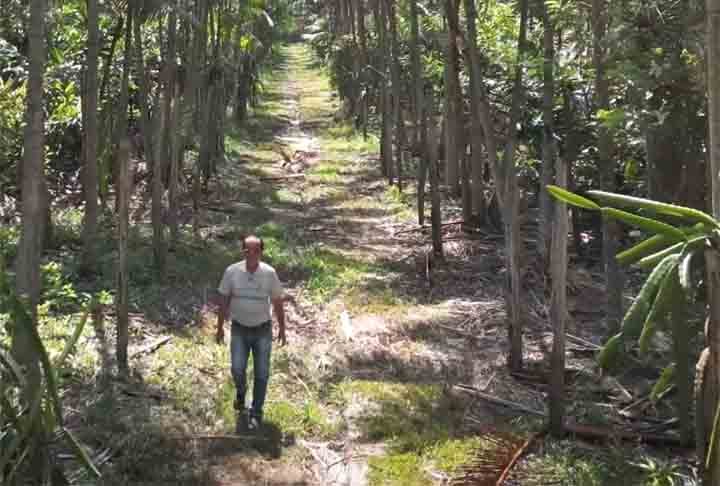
{"x": 510, "y": 202}
{"x": 33, "y": 193}
{"x": 90, "y": 135}
{"x": 712, "y": 474}
{"x": 613, "y": 274}
{"x": 548, "y": 142}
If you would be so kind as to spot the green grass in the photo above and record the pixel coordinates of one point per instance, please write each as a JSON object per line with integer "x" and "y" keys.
{"x": 405, "y": 469}
{"x": 327, "y": 172}
{"x": 325, "y": 272}
{"x": 301, "y": 419}
{"x": 419, "y": 424}
{"x": 402, "y": 204}
{"x": 342, "y": 139}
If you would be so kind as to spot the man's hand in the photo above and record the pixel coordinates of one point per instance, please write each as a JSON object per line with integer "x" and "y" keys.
{"x": 223, "y": 312}
{"x": 280, "y": 314}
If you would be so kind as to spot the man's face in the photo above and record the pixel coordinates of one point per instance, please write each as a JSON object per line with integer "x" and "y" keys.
{"x": 252, "y": 251}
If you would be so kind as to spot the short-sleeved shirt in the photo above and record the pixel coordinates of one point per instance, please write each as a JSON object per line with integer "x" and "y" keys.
{"x": 250, "y": 292}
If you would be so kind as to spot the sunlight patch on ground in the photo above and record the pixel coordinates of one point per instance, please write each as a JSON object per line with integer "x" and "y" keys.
{"x": 418, "y": 424}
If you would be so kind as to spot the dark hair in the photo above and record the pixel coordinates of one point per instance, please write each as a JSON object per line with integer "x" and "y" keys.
{"x": 262, "y": 243}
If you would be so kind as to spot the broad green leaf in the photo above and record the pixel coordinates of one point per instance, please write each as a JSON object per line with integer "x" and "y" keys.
{"x": 571, "y": 198}
{"x": 685, "y": 274}
{"x": 610, "y": 352}
{"x": 644, "y": 248}
{"x": 656, "y": 206}
{"x": 652, "y": 260}
{"x": 664, "y": 382}
{"x": 661, "y": 306}
{"x": 647, "y": 224}
{"x": 81, "y": 453}
{"x": 637, "y": 313}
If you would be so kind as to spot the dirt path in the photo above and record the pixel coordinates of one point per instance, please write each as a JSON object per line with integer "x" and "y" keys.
{"x": 379, "y": 348}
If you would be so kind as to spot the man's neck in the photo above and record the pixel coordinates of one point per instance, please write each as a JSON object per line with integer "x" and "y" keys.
{"x": 252, "y": 268}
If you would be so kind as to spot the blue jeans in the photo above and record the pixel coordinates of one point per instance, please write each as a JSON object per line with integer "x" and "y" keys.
{"x": 245, "y": 340}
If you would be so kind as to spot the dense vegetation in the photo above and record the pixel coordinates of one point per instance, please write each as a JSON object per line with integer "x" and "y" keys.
{"x": 116, "y": 117}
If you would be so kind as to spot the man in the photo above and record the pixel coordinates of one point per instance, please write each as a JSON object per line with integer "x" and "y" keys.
{"x": 248, "y": 288}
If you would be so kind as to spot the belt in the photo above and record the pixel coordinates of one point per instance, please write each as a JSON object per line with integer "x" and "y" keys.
{"x": 251, "y": 328}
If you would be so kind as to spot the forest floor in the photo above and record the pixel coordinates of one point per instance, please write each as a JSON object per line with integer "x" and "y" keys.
{"x": 370, "y": 388}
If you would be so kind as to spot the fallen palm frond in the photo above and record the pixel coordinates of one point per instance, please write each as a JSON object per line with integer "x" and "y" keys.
{"x": 493, "y": 462}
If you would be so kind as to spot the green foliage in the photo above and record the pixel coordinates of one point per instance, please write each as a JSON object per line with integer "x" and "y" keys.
{"x": 659, "y": 473}
{"x": 570, "y": 198}
{"x": 643, "y": 249}
{"x": 671, "y": 285}
{"x": 12, "y": 109}
{"x": 9, "y": 237}
{"x": 691, "y": 215}
{"x": 667, "y": 377}
{"x": 31, "y": 412}
{"x": 669, "y": 297}
{"x": 645, "y": 224}
{"x": 612, "y": 119}
{"x": 397, "y": 470}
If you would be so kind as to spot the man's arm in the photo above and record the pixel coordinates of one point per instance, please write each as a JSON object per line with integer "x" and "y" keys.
{"x": 222, "y": 315}
{"x": 279, "y": 311}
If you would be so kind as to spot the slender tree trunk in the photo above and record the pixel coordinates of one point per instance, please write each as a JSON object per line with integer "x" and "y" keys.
{"x": 33, "y": 172}
{"x": 454, "y": 146}
{"x": 419, "y": 110}
{"x": 432, "y": 153}
{"x": 144, "y": 92}
{"x": 558, "y": 310}
{"x": 709, "y": 372}
{"x": 364, "y": 64}
{"x": 172, "y": 117}
{"x": 122, "y": 194}
{"x": 713, "y": 64}
{"x": 548, "y": 145}
{"x": 106, "y": 131}
{"x": 205, "y": 97}
{"x": 712, "y": 475}
{"x": 510, "y": 202}
{"x": 153, "y": 143}
{"x": 465, "y": 176}
{"x": 90, "y": 145}
{"x": 614, "y": 278}
{"x": 385, "y": 107}
{"x": 28, "y": 279}
{"x": 121, "y": 127}
{"x": 122, "y": 302}
{"x": 398, "y": 121}
{"x": 479, "y": 207}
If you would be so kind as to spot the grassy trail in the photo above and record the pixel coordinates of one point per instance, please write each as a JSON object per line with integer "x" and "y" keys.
{"x": 360, "y": 387}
